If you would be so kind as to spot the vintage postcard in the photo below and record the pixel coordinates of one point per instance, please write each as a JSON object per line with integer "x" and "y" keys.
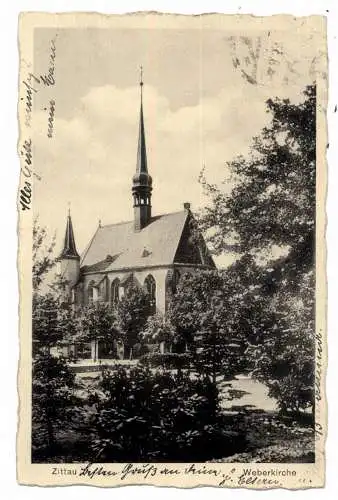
{"x": 172, "y": 250}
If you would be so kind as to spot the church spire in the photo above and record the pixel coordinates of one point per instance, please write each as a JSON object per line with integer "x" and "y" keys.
{"x": 141, "y": 162}
{"x": 142, "y": 181}
{"x": 69, "y": 248}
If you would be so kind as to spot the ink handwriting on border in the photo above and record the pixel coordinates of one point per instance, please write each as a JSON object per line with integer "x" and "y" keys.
{"x": 25, "y": 194}
{"x": 31, "y": 85}
{"x": 32, "y": 82}
{"x": 48, "y": 78}
{"x": 51, "y": 113}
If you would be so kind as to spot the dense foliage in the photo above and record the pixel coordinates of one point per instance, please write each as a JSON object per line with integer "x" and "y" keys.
{"x": 167, "y": 361}
{"x": 54, "y": 404}
{"x": 285, "y": 358}
{"x": 216, "y": 313}
{"x": 45, "y": 326}
{"x": 96, "y": 322}
{"x": 157, "y": 328}
{"x": 158, "y": 416}
{"x": 132, "y": 312}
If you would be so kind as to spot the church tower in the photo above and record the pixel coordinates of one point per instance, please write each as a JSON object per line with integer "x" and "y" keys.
{"x": 69, "y": 259}
{"x": 142, "y": 181}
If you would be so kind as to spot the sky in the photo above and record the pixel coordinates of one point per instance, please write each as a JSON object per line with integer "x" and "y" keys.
{"x": 200, "y": 109}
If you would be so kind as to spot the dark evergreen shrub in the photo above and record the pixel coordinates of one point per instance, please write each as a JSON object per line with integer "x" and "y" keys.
{"x": 157, "y": 417}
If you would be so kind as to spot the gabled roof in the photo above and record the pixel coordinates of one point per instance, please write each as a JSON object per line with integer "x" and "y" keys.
{"x": 119, "y": 246}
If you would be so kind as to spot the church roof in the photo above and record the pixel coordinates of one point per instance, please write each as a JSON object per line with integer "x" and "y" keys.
{"x": 119, "y": 246}
{"x": 69, "y": 248}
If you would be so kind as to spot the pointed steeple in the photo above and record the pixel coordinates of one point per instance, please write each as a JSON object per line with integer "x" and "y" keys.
{"x": 69, "y": 248}
{"x": 142, "y": 181}
{"x": 141, "y": 162}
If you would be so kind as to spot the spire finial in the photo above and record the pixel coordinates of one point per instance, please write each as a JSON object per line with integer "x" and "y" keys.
{"x": 141, "y": 76}
{"x": 69, "y": 209}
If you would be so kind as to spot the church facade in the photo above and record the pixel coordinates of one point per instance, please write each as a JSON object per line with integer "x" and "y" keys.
{"x": 151, "y": 251}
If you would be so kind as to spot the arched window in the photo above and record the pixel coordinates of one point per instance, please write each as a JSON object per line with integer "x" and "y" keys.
{"x": 90, "y": 293}
{"x": 104, "y": 290}
{"x": 115, "y": 292}
{"x": 150, "y": 285}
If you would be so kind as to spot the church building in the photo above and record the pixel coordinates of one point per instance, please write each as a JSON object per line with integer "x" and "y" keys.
{"x": 151, "y": 251}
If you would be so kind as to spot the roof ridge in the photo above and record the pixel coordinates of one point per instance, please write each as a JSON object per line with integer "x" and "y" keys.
{"x": 117, "y": 223}
{"x": 131, "y": 221}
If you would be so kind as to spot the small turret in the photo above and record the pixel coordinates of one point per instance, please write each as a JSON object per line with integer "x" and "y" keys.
{"x": 69, "y": 259}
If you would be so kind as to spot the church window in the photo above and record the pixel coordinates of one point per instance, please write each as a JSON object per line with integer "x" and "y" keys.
{"x": 104, "y": 289}
{"x": 115, "y": 292}
{"x": 150, "y": 285}
{"x": 90, "y": 292}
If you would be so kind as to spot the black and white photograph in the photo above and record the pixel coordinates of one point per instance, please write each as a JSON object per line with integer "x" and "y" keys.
{"x": 172, "y": 238}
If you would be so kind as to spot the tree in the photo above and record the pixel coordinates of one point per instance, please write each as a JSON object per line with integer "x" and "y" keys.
{"x": 158, "y": 329}
{"x": 204, "y": 312}
{"x": 43, "y": 258}
{"x": 45, "y": 326}
{"x": 68, "y": 323}
{"x": 97, "y": 322}
{"x": 284, "y": 360}
{"x": 273, "y": 200}
{"x": 132, "y": 312}
{"x": 55, "y": 321}
{"x": 53, "y": 400}
{"x": 271, "y": 211}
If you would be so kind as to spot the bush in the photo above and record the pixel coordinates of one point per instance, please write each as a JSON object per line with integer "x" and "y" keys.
{"x": 158, "y": 417}
{"x": 224, "y": 359}
{"x": 168, "y": 361}
{"x": 140, "y": 350}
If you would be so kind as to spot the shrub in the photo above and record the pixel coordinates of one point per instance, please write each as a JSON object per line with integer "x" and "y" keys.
{"x": 166, "y": 361}
{"x": 140, "y": 350}
{"x": 158, "y": 416}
